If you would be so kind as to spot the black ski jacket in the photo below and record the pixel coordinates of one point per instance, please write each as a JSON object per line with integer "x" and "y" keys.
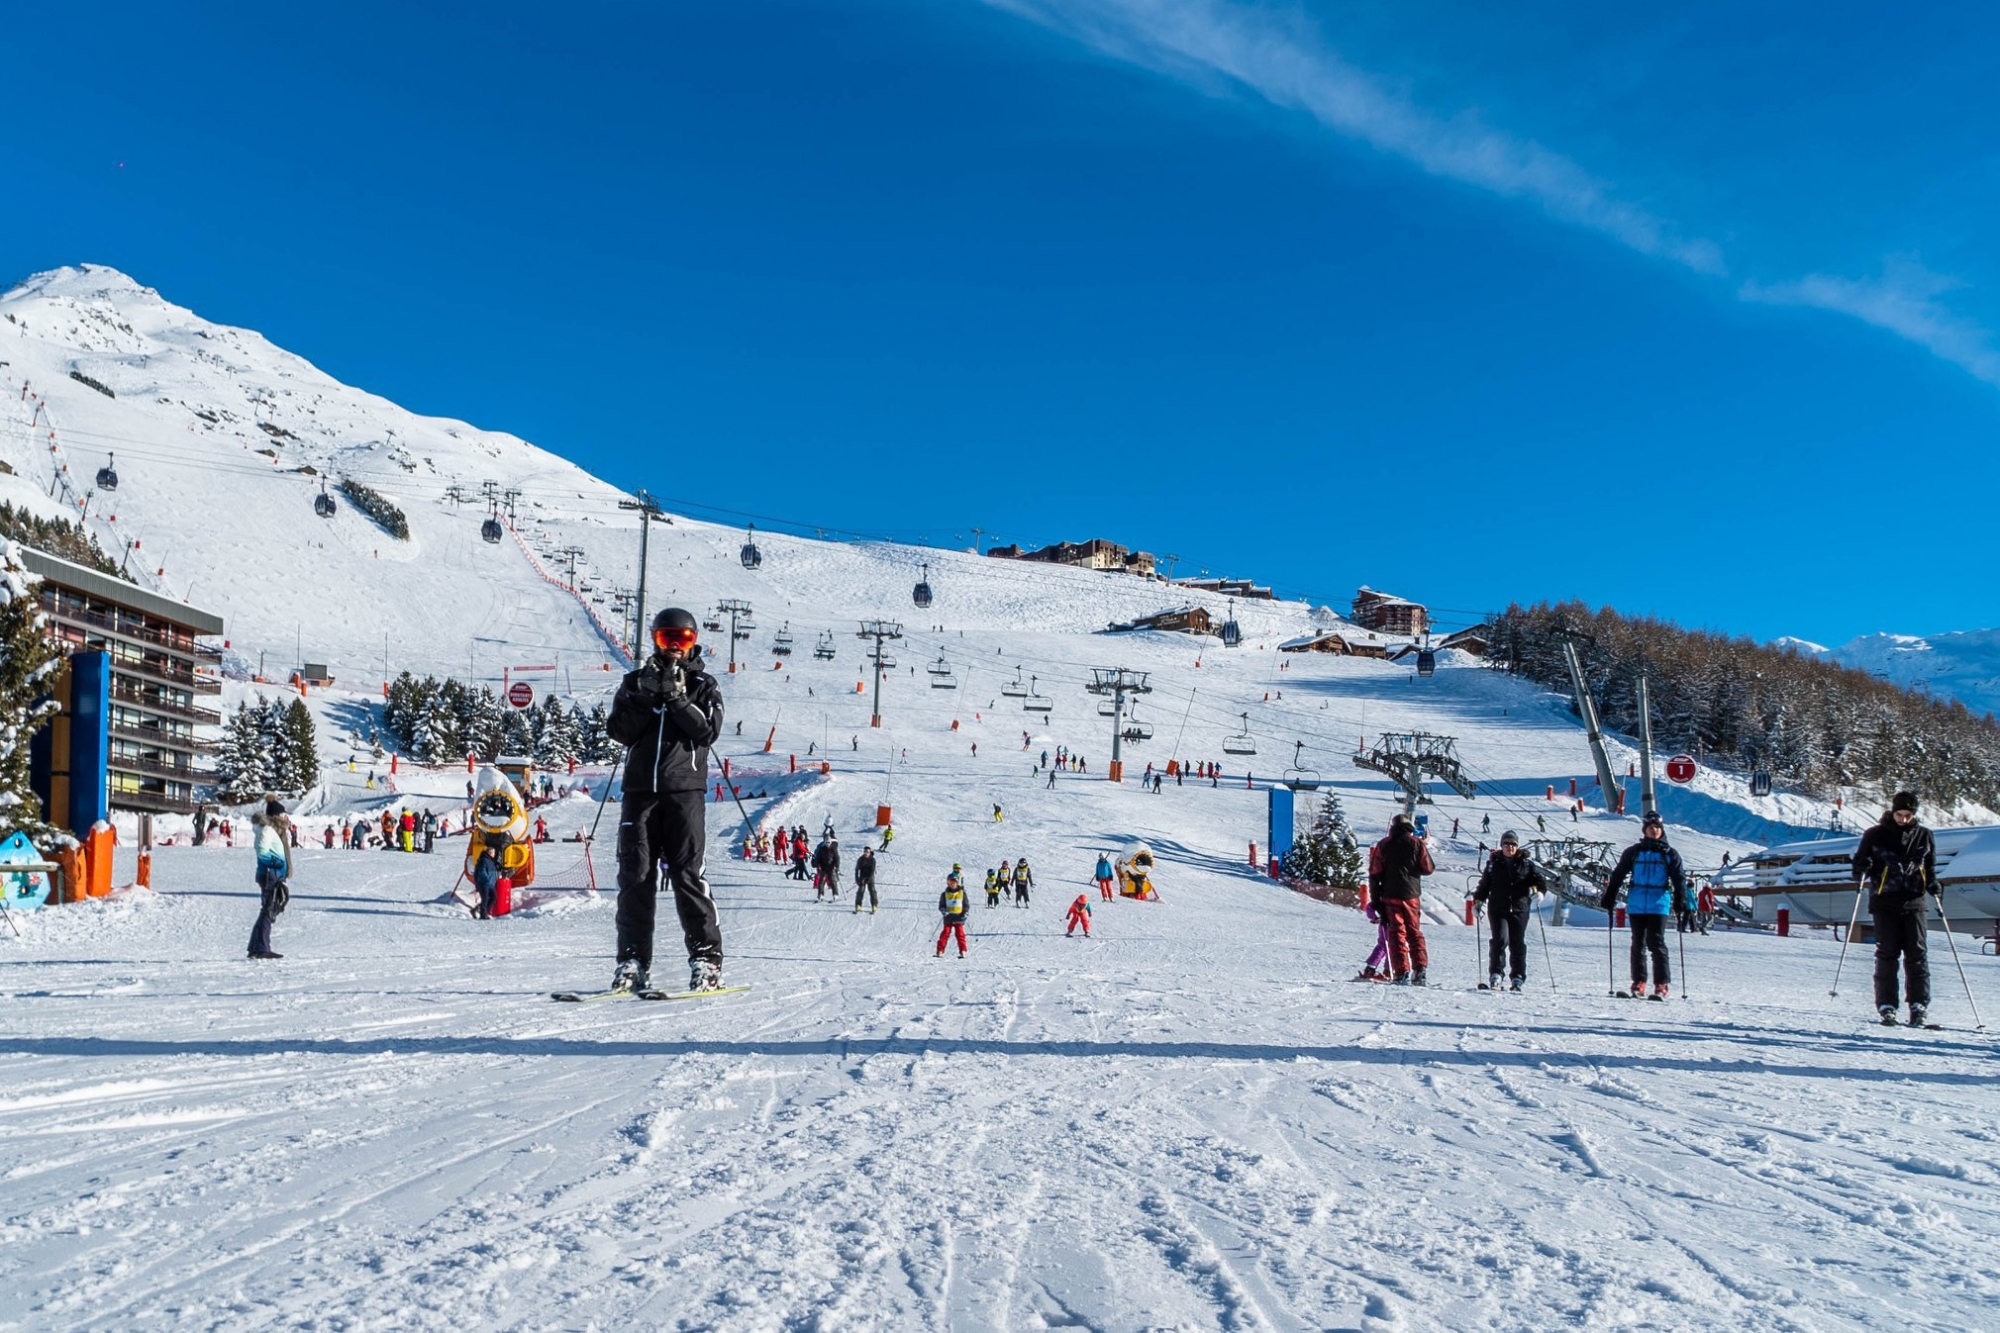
{"x": 864, "y": 870}
{"x": 1508, "y": 882}
{"x": 669, "y": 738}
{"x": 1898, "y": 865}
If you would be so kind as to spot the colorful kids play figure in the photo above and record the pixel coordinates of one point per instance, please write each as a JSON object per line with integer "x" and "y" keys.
{"x": 1079, "y": 915}
{"x": 1103, "y": 877}
{"x": 992, "y": 888}
{"x": 951, "y": 905}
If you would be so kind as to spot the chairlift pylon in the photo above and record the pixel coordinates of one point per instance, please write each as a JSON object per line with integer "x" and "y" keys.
{"x": 1242, "y": 742}
{"x": 107, "y": 476}
{"x": 921, "y": 594}
{"x": 752, "y": 557}
{"x": 1299, "y": 777}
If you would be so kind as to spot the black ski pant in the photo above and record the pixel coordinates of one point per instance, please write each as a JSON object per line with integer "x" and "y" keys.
{"x": 1509, "y": 942}
{"x": 667, "y": 827}
{"x": 1902, "y": 937}
{"x": 862, "y": 886}
{"x": 1649, "y": 936}
{"x": 273, "y": 894}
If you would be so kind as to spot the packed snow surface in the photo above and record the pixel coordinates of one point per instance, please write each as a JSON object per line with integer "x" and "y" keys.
{"x": 1190, "y": 1120}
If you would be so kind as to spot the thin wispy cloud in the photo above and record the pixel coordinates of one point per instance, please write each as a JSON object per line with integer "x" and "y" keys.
{"x": 1904, "y": 300}
{"x": 1282, "y": 59}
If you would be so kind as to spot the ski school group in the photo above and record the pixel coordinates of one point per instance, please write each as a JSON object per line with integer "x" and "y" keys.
{"x": 668, "y": 714}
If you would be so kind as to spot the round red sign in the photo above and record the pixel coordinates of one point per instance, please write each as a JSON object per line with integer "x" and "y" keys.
{"x": 520, "y": 694}
{"x": 1680, "y": 768}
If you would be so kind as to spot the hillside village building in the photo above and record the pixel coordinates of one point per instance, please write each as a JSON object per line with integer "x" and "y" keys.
{"x": 158, "y": 672}
{"x": 1388, "y": 614}
{"x": 1093, "y": 554}
{"x": 1179, "y": 620}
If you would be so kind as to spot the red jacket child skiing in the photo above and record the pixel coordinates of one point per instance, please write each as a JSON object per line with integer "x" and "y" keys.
{"x": 1079, "y": 915}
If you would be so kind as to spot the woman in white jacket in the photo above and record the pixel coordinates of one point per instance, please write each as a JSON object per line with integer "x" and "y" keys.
{"x": 272, "y": 832}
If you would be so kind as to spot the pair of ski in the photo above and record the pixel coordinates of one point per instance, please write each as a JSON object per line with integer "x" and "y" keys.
{"x": 1893, "y": 1022}
{"x": 1629, "y": 995}
{"x": 591, "y": 996}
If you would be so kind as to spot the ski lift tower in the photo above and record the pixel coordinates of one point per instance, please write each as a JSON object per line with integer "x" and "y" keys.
{"x": 735, "y": 610}
{"x": 1408, "y": 757}
{"x": 878, "y": 630}
{"x": 649, "y": 513}
{"x": 1117, "y": 682}
{"x": 1586, "y": 708}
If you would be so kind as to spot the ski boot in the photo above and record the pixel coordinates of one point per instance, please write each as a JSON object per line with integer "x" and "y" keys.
{"x": 1420, "y": 977}
{"x": 629, "y": 976}
{"x": 1401, "y": 979}
{"x": 1518, "y": 982}
{"x": 1918, "y": 1016}
{"x": 1638, "y": 991}
{"x": 1887, "y": 1013}
{"x": 1659, "y": 992}
{"x": 704, "y": 974}
{"x": 1493, "y": 981}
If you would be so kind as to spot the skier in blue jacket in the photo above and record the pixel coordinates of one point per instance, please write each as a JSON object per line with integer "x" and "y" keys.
{"x": 1658, "y": 887}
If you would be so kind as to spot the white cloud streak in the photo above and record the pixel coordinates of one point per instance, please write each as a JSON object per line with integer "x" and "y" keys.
{"x": 1904, "y": 301}
{"x": 1201, "y": 38}
{"x": 1284, "y": 62}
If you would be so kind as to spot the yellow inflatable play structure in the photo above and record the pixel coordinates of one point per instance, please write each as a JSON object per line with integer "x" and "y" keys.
{"x": 500, "y": 822}
{"x": 1135, "y": 873}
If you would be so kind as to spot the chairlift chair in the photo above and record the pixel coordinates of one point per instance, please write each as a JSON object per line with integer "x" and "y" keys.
{"x": 823, "y": 650}
{"x": 1242, "y": 742}
{"x": 921, "y": 594}
{"x": 107, "y": 476}
{"x": 712, "y": 626}
{"x": 1036, "y": 703}
{"x": 887, "y": 661}
{"x": 1134, "y": 730}
{"x": 752, "y": 557}
{"x": 1107, "y": 708}
{"x": 1299, "y": 777}
{"x": 1015, "y": 688}
{"x": 781, "y": 643}
{"x": 941, "y": 677}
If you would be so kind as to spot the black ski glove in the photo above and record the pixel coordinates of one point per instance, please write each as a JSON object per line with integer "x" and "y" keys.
{"x": 1609, "y": 900}
{"x": 674, "y": 685}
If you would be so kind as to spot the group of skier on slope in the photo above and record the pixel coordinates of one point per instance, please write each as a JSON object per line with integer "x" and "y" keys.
{"x": 668, "y": 713}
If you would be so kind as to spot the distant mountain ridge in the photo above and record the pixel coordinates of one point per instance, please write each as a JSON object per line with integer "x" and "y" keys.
{"x": 1959, "y": 664}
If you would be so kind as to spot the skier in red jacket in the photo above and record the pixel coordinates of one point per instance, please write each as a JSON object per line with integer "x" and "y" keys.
{"x": 1396, "y": 867}
{"x": 1079, "y": 915}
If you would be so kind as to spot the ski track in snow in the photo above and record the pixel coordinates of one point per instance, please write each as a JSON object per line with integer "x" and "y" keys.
{"x": 1190, "y": 1121}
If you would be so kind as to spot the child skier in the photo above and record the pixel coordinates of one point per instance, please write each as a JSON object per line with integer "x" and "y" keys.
{"x": 274, "y": 868}
{"x": 992, "y": 888}
{"x": 951, "y": 905}
{"x": 1079, "y": 915}
{"x": 1103, "y": 876}
{"x": 1007, "y": 879}
{"x": 1377, "y": 966}
{"x": 1024, "y": 880}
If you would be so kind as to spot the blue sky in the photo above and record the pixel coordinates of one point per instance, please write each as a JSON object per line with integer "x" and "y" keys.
{"x": 1689, "y": 313}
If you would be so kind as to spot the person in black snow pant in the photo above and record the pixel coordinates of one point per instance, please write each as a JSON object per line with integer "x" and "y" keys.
{"x": 1896, "y": 866}
{"x": 1659, "y": 885}
{"x": 1507, "y": 889}
{"x": 864, "y": 878}
{"x": 669, "y": 712}
{"x": 274, "y": 871}
{"x": 826, "y": 867}
{"x": 486, "y": 882}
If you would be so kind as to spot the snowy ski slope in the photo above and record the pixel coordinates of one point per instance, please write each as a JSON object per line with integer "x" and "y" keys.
{"x": 1192, "y": 1120}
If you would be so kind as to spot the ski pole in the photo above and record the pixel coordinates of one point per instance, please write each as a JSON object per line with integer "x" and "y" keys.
{"x": 1548, "y": 962}
{"x": 1977, "y": 1022}
{"x": 9, "y": 915}
{"x": 1852, "y": 917}
{"x": 1476, "y": 950}
{"x": 607, "y": 795}
{"x": 1684, "y": 961}
{"x": 1611, "y": 949}
{"x": 730, "y": 787}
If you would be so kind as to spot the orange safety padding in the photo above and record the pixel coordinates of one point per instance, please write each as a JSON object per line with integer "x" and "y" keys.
{"x": 97, "y": 847}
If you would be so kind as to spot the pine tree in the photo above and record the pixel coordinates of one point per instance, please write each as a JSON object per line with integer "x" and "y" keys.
{"x": 300, "y": 769}
{"x": 242, "y": 762}
{"x": 1326, "y": 853}
{"x": 27, "y": 663}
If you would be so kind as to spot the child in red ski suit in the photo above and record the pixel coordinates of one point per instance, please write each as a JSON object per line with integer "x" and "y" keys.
{"x": 1079, "y": 915}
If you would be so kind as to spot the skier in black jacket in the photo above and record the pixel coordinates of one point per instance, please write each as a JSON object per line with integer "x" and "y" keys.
{"x": 668, "y": 712}
{"x": 1896, "y": 866}
{"x": 1507, "y": 887}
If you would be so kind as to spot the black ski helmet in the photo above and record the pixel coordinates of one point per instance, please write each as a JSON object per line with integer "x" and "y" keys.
{"x": 674, "y": 618}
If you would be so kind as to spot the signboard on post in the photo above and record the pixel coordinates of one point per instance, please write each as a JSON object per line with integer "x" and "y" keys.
{"x": 1680, "y": 769}
{"x": 520, "y": 694}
